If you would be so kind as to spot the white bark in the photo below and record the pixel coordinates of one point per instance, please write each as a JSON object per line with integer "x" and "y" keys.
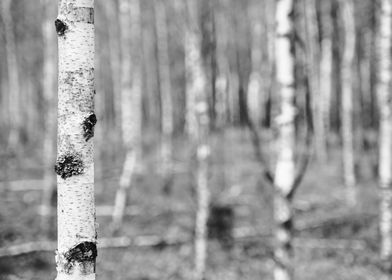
{"x": 284, "y": 175}
{"x": 221, "y": 82}
{"x": 195, "y": 82}
{"x": 385, "y": 146}
{"x": 49, "y": 91}
{"x": 75, "y": 165}
{"x": 255, "y": 98}
{"x": 130, "y": 101}
{"x": 196, "y": 90}
{"x": 347, "y": 101}
{"x": 326, "y": 74}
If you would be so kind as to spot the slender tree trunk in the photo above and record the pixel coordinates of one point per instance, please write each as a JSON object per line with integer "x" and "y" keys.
{"x": 77, "y": 235}
{"x": 49, "y": 85}
{"x": 111, "y": 13}
{"x": 165, "y": 91}
{"x": 222, "y": 81}
{"x": 284, "y": 175}
{"x": 15, "y": 120}
{"x": 325, "y": 73}
{"x": 130, "y": 101}
{"x": 196, "y": 89}
{"x": 385, "y": 146}
{"x": 255, "y": 98}
{"x": 316, "y": 83}
{"x": 347, "y": 101}
{"x": 325, "y": 84}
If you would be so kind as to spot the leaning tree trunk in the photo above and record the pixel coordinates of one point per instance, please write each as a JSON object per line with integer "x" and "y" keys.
{"x": 347, "y": 101}
{"x": 77, "y": 235}
{"x": 49, "y": 84}
{"x": 385, "y": 146}
{"x": 165, "y": 91}
{"x": 130, "y": 101}
{"x": 196, "y": 89}
{"x": 284, "y": 175}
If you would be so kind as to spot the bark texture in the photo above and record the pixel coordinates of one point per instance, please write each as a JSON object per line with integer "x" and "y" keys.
{"x": 77, "y": 234}
{"x": 284, "y": 175}
{"x": 385, "y": 146}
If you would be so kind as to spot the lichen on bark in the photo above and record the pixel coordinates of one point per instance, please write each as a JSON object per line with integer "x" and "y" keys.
{"x": 68, "y": 165}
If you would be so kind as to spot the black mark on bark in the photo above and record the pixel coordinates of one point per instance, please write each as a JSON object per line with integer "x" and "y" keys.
{"x": 61, "y": 27}
{"x": 68, "y": 165}
{"x": 88, "y": 126}
{"x": 84, "y": 253}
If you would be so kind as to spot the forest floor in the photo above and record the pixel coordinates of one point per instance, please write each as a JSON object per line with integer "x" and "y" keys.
{"x": 333, "y": 241}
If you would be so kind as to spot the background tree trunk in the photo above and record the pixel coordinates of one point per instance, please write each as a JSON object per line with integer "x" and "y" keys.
{"x": 284, "y": 175}
{"x": 15, "y": 119}
{"x": 385, "y": 144}
{"x": 199, "y": 113}
{"x": 347, "y": 10}
{"x": 49, "y": 85}
{"x": 165, "y": 91}
{"x": 77, "y": 236}
{"x": 255, "y": 92}
{"x": 131, "y": 116}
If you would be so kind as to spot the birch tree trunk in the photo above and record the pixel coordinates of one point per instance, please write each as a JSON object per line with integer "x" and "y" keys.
{"x": 385, "y": 146}
{"x": 165, "y": 90}
{"x": 130, "y": 101}
{"x": 222, "y": 81}
{"x": 49, "y": 84}
{"x": 284, "y": 175}
{"x": 15, "y": 119}
{"x": 326, "y": 74}
{"x": 347, "y": 101}
{"x": 77, "y": 235}
{"x": 255, "y": 99}
{"x": 196, "y": 89}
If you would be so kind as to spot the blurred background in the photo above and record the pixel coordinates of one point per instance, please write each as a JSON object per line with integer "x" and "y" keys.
{"x": 336, "y": 232}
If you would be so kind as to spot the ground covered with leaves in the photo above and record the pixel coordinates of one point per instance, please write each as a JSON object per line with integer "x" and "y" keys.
{"x": 332, "y": 240}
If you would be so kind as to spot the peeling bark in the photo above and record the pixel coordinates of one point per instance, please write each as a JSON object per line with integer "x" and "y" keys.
{"x": 75, "y": 159}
